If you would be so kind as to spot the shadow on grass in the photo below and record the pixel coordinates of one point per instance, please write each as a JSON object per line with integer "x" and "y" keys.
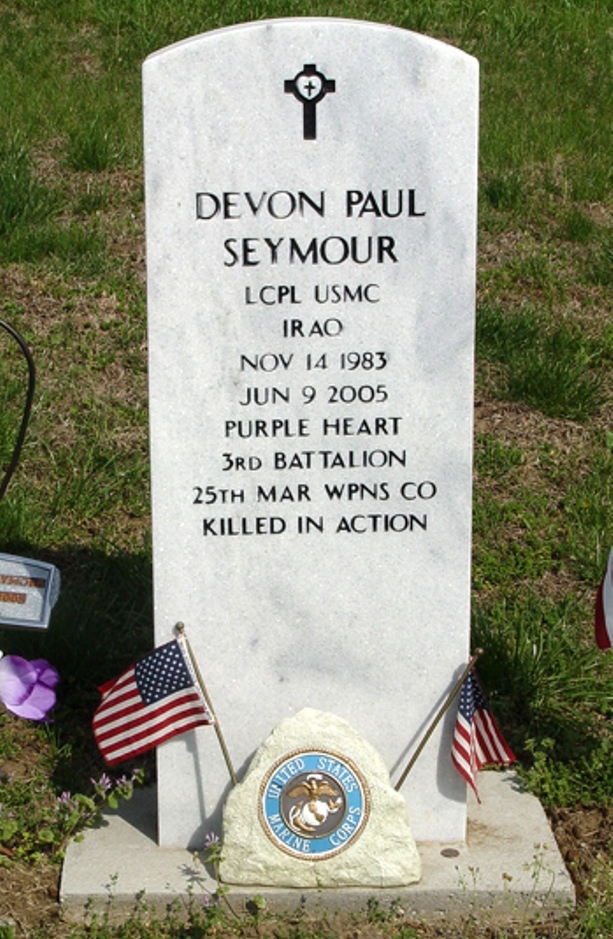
{"x": 102, "y": 623}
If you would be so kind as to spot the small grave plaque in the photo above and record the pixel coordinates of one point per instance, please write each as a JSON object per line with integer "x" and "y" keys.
{"x": 311, "y": 221}
{"x": 28, "y": 591}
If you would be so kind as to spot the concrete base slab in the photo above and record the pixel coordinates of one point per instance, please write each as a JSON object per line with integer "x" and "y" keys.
{"x": 510, "y": 867}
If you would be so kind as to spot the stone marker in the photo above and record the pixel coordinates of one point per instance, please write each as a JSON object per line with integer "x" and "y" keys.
{"x": 28, "y": 591}
{"x": 311, "y": 218}
{"x": 324, "y": 817}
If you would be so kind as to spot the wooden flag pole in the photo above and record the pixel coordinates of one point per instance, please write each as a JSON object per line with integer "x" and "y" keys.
{"x": 440, "y": 714}
{"x": 180, "y": 630}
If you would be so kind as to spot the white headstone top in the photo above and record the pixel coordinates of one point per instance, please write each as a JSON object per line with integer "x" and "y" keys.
{"x": 311, "y": 226}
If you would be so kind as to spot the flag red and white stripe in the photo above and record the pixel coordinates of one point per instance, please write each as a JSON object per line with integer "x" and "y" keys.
{"x": 477, "y": 740}
{"x": 152, "y": 701}
{"x": 604, "y": 608}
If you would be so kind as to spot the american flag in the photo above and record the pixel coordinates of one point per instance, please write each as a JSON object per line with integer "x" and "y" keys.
{"x": 604, "y": 609}
{"x": 477, "y": 740}
{"x": 150, "y": 702}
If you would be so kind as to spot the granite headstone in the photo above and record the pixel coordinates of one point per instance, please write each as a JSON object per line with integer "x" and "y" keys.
{"x": 311, "y": 234}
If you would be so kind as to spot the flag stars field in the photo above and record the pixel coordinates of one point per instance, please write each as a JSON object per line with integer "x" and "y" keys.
{"x": 161, "y": 673}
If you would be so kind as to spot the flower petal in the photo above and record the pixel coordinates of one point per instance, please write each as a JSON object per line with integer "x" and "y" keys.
{"x": 17, "y": 678}
{"x": 36, "y": 705}
{"x": 26, "y": 688}
{"x": 46, "y": 673}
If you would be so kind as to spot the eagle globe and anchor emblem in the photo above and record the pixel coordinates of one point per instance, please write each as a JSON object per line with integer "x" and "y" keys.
{"x": 314, "y": 803}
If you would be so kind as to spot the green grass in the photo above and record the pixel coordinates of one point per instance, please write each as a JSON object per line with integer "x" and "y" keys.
{"x": 25, "y": 201}
{"x": 72, "y": 277}
{"x": 552, "y": 367}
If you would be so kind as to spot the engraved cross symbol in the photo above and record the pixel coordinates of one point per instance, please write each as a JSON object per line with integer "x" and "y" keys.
{"x": 309, "y": 87}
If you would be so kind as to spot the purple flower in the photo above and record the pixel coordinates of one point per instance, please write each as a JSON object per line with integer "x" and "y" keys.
{"x": 26, "y": 688}
{"x": 104, "y": 783}
{"x": 66, "y": 801}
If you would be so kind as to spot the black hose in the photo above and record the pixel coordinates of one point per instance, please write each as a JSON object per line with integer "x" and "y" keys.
{"x": 27, "y": 407}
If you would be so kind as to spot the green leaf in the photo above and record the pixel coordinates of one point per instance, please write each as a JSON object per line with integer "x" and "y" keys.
{"x": 46, "y": 836}
{"x": 113, "y": 800}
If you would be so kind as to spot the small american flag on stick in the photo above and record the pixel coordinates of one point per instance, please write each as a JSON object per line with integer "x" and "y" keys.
{"x": 477, "y": 740}
{"x": 604, "y": 609}
{"x": 152, "y": 701}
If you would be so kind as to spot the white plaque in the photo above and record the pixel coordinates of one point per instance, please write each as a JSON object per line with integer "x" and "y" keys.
{"x": 28, "y": 591}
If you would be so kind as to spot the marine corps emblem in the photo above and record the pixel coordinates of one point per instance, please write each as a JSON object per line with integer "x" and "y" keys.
{"x": 313, "y": 803}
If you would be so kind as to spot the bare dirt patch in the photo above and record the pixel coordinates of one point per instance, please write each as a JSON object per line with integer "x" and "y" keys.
{"x": 585, "y": 839}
